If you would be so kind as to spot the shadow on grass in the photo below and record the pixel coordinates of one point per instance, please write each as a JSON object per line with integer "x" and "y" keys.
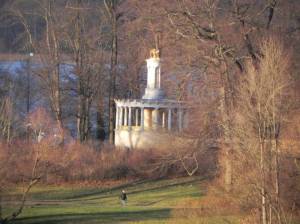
{"x": 79, "y": 194}
{"x": 101, "y": 217}
{"x": 115, "y": 190}
{"x": 132, "y": 188}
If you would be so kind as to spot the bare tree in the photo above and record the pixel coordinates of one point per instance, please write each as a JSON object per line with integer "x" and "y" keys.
{"x": 6, "y": 106}
{"x": 224, "y": 37}
{"x": 263, "y": 106}
{"x": 47, "y": 49}
{"x": 39, "y": 122}
{"x": 113, "y": 16}
{"x": 85, "y": 39}
{"x": 34, "y": 178}
{"x": 6, "y": 118}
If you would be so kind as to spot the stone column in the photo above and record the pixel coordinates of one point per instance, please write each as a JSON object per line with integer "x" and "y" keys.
{"x": 163, "y": 119}
{"x": 147, "y": 117}
{"x": 136, "y": 117}
{"x": 117, "y": 117}
{"x": 159, "y": 77}
{"x": 155, "y": 118}
{"x": 142, "y": 118}
{"x": 180, "y": 120}
{"x": 169, "y": 119}
{"x": 121, "y": 116}
{"x": 129, "y": 117}
{"x": 125, "y": 117}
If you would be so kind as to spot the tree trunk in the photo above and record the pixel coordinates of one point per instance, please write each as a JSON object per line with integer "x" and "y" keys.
{"x": 100, "y": 133}
{"x": 0, "y": 204}
{"x": 57, "y": 102}
{"x": 111, "y": 8}
{"x": 79, "y": 119}
{"x": 83, "y": 118}
{"x": 263, "y": 190}
{"x": 28, "y": 90}
{"x": 80, "y": 54}
{"x": 261, "y": 134}
{"x": 53, "y": 55}
{"x": 87, "y": 119}
{"x": 226, "y": 136}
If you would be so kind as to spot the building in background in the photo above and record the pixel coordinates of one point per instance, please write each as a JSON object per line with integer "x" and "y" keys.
{"x": 153, "y": 121}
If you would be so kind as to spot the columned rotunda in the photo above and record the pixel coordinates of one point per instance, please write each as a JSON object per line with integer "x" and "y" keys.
{"x": 149, "y": 122}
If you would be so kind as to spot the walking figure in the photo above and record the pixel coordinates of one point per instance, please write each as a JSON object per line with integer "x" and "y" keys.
{"x": 123, "y": 198}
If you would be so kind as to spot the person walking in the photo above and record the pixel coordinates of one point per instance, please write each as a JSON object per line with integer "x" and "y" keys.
{"x": 123, "y": 198}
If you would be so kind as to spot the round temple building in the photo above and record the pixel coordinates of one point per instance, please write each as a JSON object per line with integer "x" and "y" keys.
{"x": 150, "y": 122}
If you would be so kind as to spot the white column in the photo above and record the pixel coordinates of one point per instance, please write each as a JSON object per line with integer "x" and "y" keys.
{"x": 169, "y": 119}
{"x": 155, "y": 118}
{"x": 142, "y": 118}
{"x": 117, "y": 117}
{"x": 148, "y": 117}
{"x": 120, "y": 116}
{"x": 158, "y": 77}
{"x": 163, "y": 119}
{"x": 136, "y": 117}
{"x": 129, "y": 117}
{"x": 180, "y": 119}
{"x": 125, "y": 117}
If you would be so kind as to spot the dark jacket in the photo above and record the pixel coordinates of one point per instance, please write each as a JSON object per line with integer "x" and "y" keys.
{"x": 123, "y": 196}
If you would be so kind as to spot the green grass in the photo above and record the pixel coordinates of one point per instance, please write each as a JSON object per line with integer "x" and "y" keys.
{"x": 148, "y": 202}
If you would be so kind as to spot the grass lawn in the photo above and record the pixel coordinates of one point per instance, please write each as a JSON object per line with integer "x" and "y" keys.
{"x": 148, "y": 202}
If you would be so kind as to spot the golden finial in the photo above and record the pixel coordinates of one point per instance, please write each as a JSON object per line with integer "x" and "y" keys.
{"x": 154, "y": 53}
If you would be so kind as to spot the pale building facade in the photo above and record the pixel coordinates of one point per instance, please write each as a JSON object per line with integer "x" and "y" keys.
{"x": 149, "y": 122}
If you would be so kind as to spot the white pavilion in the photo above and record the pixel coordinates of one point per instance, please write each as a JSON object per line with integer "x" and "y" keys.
{"x": 150, "y": 122}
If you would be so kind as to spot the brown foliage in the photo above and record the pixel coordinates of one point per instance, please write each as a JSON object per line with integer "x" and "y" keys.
{"x": 76, "y": 162}
{"x": 261, "y": 167}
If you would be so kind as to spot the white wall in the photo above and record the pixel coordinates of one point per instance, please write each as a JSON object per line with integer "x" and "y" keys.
{"x": 137, "y": 139}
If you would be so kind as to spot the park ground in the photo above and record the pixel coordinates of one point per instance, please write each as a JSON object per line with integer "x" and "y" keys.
{"x": 156, "y": 201}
